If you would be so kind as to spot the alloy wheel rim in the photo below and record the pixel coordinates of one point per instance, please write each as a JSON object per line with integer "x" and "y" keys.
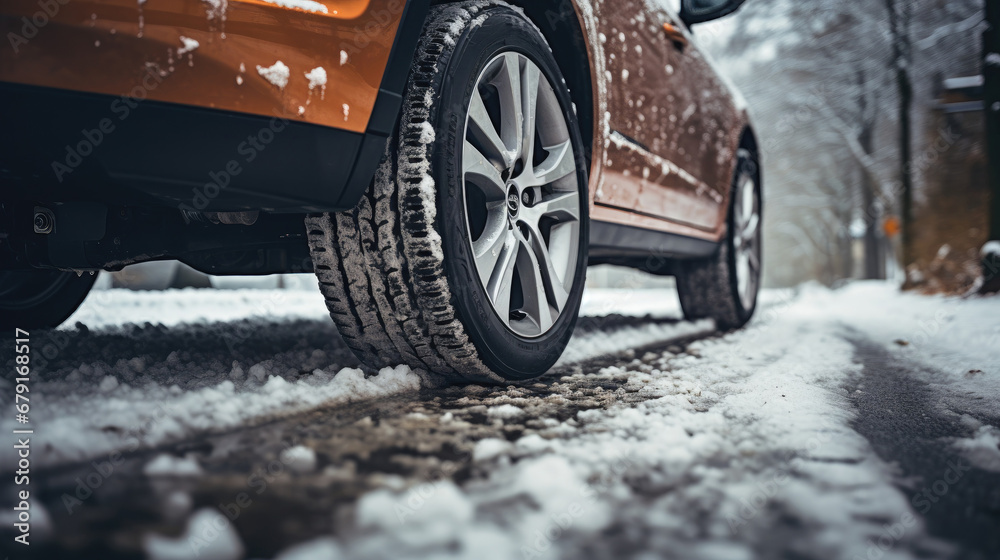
{"x": 746, "y": 240}
{"x": 521, "y": 194}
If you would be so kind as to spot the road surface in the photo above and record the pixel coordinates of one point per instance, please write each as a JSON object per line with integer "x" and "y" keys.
{"x": 857, "y": 423}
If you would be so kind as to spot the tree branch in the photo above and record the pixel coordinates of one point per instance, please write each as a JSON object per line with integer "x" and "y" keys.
{"x": 950, "y": 29}
{"x": 850, "y": 139}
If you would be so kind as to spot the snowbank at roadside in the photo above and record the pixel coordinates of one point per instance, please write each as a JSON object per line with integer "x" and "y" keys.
{"x": 957, "y": 337}
{"x": 116, "y": 307}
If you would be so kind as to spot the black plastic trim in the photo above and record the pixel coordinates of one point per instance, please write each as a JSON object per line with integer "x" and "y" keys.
{"x": 403, "y": 48}
{"x": 690, "y": 17}
{"x": 166, "y": 154}
{"x": 609, "y": 240}
{"x": 366, "y": 164}
{"x": 385, "y": 113}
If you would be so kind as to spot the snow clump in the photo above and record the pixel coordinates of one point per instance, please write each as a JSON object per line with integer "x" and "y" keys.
{"x": 277, "y": 74}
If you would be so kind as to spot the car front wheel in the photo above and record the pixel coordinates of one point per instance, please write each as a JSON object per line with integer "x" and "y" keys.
{"x": 467, "y": 256}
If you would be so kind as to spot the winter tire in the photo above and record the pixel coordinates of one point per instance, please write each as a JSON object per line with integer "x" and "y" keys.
{"x": 40, "y": 299}
{"x": 467, "y": 256}
{"x": 724, "y": 287}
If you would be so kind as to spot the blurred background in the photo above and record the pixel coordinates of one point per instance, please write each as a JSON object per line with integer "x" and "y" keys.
{"x": 837, "y": 89}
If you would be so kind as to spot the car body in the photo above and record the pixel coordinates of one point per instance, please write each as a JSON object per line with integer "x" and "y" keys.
{"x": 204, "y": 131}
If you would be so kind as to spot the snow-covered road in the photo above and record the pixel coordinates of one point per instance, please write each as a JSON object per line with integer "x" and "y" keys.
{"x": 858, "y": 423}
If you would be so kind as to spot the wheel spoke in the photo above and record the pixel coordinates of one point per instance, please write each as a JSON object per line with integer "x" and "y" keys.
{"x": 560, "y": 163}
{"x": 749, "y": 232}
{"x": 489, "y": 248}
{"x": 502, "y": 277}
{"x": 746, "y": 217}
{"x": 529, "y": 87}
{"x": 483, "y": 131}
{"x": 562, "y": 206}
{"x": 508, "y": 84}
{"x": 746, "y": 202}
{"x": 536, "y": 300}
{"x": 738, "y": 218}
{"x": 491, "y": 182}
{"x": 753, "y": 259}
{"x": 742, "y": 273}
{"x": 552, "y": 279}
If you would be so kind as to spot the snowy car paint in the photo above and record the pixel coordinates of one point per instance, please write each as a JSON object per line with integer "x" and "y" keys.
{"x": 667, "y": 127}
{"x": 214, "y": 55}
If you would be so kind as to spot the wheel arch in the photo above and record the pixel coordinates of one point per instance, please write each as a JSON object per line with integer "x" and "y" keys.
{"x": 748, "y": 142}
{"x": 559, "y": 20}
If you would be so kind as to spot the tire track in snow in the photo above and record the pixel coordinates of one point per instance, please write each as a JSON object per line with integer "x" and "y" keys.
{"x": 362, "y": 447}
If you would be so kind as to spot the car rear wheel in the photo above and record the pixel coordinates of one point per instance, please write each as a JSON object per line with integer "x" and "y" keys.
{"x": 34, "y": 299}
{"x": 467, "y": 256}
{"x": 725, "y": 287}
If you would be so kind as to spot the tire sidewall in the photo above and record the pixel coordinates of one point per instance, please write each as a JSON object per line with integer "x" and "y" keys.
{"x": 53, "y": 310}
{"x": 502, "y": 350}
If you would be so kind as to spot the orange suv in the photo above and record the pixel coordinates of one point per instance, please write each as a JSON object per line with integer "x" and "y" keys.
{"x": 447, "y": 169}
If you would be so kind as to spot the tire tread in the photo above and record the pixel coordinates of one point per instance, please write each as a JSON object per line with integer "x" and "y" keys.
{"x": 379, "y": 265}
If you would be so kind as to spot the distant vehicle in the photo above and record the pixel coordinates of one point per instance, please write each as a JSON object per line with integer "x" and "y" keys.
{"x": 457, "y": 166}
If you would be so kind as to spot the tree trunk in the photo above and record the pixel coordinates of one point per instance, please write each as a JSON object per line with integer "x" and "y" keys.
{"x": 991, "y": 102}
{"x": 906, "y": 179}
{"x": 872, "y": 264}
{"x": 899, "y": 26}
{"x": 872, "y": 269}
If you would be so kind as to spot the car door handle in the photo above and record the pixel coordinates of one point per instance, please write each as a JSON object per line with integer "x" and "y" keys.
{"x": 676, "y": 36}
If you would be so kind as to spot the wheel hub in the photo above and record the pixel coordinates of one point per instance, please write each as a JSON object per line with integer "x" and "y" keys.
{"x": 513, "y": 201}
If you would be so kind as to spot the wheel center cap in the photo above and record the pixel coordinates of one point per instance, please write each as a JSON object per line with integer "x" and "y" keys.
{"x": 513, "y": 201}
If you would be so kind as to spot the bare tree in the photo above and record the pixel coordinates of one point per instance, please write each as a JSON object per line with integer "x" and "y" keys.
{"x": 991, "y": 72}
{"x": 899, "y": 13}
{"x": 835, "y": 82}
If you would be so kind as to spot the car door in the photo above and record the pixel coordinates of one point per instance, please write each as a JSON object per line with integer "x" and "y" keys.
{"x": 672, "y": 128}
{"x": 633, "y": 50}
